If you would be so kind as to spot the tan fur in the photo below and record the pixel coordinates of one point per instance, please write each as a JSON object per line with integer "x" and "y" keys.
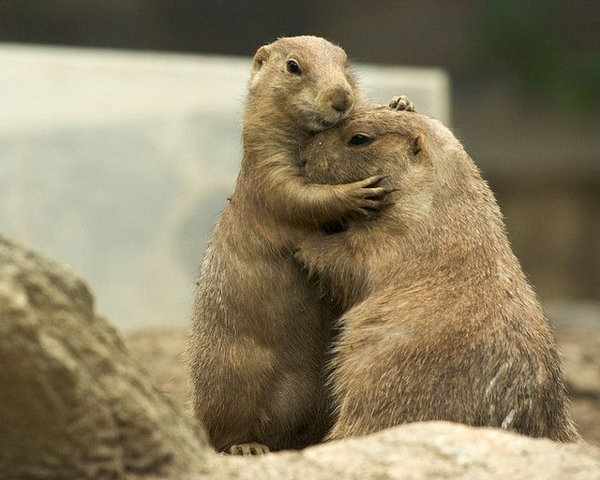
{"x": 439, "y": 321}
{"x": 259, "y": 332}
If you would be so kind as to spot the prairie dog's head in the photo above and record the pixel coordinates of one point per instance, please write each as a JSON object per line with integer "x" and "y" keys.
{"x": 376, "y": 140}
{"x": 424, "y": 161}
{"x": 373, "y": 140}
{"x": 305, "y": 79}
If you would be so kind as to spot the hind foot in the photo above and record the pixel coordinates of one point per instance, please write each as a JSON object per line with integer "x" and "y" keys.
{"x": 248, "y": 449}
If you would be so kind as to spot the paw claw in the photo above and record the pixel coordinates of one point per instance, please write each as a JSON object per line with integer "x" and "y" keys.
{"x": 248, "y": 449}
{"x": 402, "y": 103}
{"x": 367, "y": 212}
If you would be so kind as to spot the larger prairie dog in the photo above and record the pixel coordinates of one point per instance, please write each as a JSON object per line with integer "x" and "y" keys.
{"x": 259, "y": 330}
{"x": 439, "y": 321}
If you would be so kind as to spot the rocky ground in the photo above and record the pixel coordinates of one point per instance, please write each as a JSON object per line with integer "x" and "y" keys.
{"x": 581, "y": 357}
{"x": 161, "y": 354}
{"x": 77, "y": 403}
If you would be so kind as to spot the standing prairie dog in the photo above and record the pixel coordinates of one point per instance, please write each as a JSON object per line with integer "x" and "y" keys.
{"x": 439, "y": 321}
{"x": 259, "y": 330}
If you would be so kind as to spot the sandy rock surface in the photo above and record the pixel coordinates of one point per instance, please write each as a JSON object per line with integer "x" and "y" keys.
{"x": 419, "y": 451}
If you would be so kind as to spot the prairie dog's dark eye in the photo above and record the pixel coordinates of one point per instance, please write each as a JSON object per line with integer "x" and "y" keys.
{"x": 360, "y": 139}
{"x": 293, "y": 67}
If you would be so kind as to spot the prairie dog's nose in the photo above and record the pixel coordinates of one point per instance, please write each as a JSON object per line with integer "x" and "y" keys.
{"x": 341, "y": 100}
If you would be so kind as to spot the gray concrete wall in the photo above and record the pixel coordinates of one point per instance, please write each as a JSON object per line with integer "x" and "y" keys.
{"x": 119, "y": 163}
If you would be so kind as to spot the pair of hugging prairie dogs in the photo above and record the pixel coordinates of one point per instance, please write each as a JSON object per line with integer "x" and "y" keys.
{"x": 360, "y": 277}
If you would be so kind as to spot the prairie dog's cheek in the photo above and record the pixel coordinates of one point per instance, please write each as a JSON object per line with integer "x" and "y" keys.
{"x": 324, "y": 164}
{"x": 316, "y": 166}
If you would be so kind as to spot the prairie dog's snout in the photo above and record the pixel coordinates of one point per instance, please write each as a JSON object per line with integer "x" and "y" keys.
{"x": 341, "y": 99}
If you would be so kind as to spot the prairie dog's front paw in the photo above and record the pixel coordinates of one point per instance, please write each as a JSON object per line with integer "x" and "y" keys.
{"x": 402, "y": 103}
{"x": 367, "y": 196}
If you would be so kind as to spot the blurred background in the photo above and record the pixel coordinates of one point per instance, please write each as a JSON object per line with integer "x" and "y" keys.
{"x": 120, "y": 123}
{"x": 524, "y": 97}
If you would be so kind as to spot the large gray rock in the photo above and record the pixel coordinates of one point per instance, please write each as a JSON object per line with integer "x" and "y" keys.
{"x": 75, "y": 405}
{"x": 72, "y": 402}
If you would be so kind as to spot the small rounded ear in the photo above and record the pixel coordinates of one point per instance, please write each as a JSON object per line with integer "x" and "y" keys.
{"x": 260, "y": 57}
{"x": 416, "y": 145}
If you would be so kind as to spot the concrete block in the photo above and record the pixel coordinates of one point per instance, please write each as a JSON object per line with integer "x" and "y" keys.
{"x": 118, "y": 163}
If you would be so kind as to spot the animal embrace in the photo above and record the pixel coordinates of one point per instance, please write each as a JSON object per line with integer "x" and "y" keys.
{"x": 360, "y": 277}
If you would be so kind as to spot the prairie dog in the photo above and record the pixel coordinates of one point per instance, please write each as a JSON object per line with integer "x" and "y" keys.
{"x": 259, "y": 330}
{"x": 439, "y": 322}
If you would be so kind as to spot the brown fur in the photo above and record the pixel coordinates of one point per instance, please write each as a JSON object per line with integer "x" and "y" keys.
{"x": 439, "y": 321}
{"x": 259, "y": 332}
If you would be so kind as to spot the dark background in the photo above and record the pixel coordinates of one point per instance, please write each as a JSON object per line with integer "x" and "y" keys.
{"x": 525, "y": 89}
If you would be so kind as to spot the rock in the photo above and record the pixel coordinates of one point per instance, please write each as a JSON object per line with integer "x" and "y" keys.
{"x": 73, "y": 404}
{"x": 431, "y": 450}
